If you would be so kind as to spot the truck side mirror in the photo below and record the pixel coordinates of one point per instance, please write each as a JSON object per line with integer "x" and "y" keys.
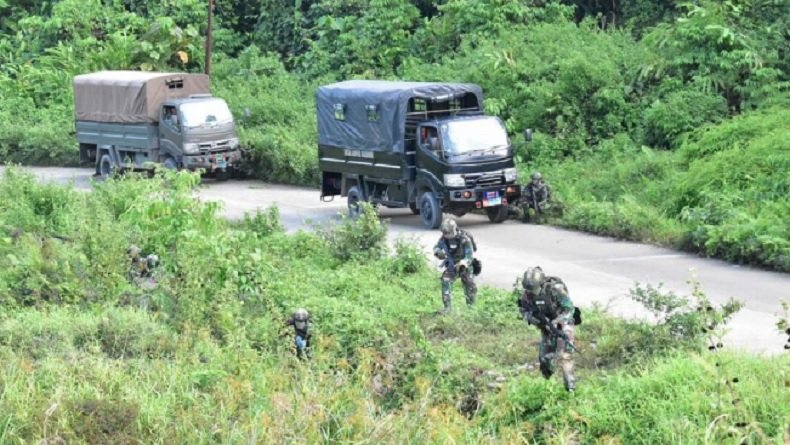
{"x": 527, "y": 135}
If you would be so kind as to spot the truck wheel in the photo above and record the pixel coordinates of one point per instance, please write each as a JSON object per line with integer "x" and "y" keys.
{"x": 223, "y": 175}
{"x": 497, "y": 214}
{"x": 430, "y": 212}
{"x": 106, "y": 167}
{"x": 354, "y": 198}
{"x": 414, "y": 209}
{"x": 170, "y": 164}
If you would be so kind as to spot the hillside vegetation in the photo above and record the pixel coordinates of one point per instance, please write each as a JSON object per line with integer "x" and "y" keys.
{"x": 88, "y": 354}
{"x": 687, "y": 100}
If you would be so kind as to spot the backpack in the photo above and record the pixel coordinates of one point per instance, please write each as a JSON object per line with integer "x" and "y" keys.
{"x": 477, "y": 265}
{"x": 551, "y": 281}
{"x": 471, "y": 238}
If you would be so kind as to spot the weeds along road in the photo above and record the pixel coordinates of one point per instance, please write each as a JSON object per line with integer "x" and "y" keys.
{"x": 596, "y": 269}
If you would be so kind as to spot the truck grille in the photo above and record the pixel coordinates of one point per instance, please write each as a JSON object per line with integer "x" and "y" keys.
{"x": 484, "y": 180}
{"x": 214, "y": 146}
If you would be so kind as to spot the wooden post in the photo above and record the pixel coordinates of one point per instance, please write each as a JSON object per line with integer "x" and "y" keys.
{"x": 207, "y": 69}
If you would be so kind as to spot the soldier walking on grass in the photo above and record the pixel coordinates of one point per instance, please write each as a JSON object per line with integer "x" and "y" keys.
{"x": 456, "y": 249}
{"x": 545, "y": 304}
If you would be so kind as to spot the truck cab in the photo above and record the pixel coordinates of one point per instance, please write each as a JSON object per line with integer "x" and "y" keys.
{"x": 469, "y": 161}
{"x": 425, "y": 146}
{"x": 198, "y": 132}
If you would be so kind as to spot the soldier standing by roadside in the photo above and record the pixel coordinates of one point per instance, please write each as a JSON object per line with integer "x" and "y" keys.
{"x": 545, "y": 303}
{"x": 456, "y": 249}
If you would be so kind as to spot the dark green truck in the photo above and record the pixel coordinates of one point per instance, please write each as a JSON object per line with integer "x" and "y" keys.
{"x": 425, "y": 146}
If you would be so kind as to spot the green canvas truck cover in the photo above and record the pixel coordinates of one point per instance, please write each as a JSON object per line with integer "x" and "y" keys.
{"x": 374, "y": 112}
{"x": 131, "y": 96}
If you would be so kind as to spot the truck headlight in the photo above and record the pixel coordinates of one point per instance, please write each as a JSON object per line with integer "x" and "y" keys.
{"x": 454, "y": 180}
{"x": 511, "y": 174}
{"x": 233, "y": 142}
{"x": 190, "y": 148}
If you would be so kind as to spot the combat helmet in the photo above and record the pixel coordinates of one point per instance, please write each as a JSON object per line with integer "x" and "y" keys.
{"x": 533, "y": 278}
{"x": 536, "y": 176}
{"x": 300, "y": 318}
{"x": 449, "y": 228}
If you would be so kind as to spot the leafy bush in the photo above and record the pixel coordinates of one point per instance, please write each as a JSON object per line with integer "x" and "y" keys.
{"x": 680, "y": 112}
{"x": 358, "y": 239}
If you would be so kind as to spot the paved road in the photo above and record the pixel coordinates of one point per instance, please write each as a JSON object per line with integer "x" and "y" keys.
{"x": 596, "y": 269}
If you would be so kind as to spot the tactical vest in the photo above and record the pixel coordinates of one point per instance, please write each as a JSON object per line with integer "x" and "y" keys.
{"x": 455, "y": 246}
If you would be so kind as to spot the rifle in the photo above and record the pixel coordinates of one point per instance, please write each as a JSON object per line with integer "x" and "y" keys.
{"x": 546, "y": 325}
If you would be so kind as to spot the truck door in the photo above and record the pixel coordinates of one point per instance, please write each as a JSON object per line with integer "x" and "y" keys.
{"x": 170, "y": 137}
{"x": 429, "y": 152}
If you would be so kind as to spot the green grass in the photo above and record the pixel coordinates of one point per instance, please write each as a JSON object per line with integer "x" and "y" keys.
{"x": 86, "y": 356}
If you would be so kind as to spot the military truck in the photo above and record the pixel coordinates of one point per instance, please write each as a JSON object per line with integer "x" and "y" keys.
{"x": 425, "y": 146}
{"x": 133, "y": 120}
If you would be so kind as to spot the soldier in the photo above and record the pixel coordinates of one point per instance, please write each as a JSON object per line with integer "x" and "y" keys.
{"x": 141, "y": 266}
{"x": 545, "y": 303}
{"x": 535, "y": 196}
{"x": 300, "y": 320}
{"x": 456, "y": 249}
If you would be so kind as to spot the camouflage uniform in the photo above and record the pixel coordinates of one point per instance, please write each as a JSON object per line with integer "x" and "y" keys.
{"x": 457, "y": 251}
{"x": 142, "y": 267}
{"x": 300, "y": 320}
{"x": 549, "y": 295}
{"x": 535, "y": 195}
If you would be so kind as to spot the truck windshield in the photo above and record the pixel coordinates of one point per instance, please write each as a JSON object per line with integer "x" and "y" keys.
{"x": 207, "y": 112}
{"x": 485, "y": 135}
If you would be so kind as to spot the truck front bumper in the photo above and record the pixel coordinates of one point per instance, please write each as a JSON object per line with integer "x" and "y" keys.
{"x": 482, "y": 197}
{"x": 223, "y": 160}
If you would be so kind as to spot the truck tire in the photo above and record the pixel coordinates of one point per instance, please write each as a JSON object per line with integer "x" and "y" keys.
{"x": 354, "y": 198}
{"x": 430, "y": 211}
{"x": 414, "y": 209}
{"x": 497, "y": 214}
{"x": 223, "y": 175}
{"x": 170, "y": 164}
{"x": 106, "y": 167}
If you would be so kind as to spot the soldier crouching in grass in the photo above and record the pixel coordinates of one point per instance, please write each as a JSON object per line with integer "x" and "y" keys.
{"x": 300, "y": 320}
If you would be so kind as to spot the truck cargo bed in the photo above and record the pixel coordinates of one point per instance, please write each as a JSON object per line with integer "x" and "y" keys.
{"x": 141, "y": 136}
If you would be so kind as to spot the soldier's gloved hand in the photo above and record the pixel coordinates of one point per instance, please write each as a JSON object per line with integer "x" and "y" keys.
{"x": 439, "y": 253}
{"x": 532, "y": 320}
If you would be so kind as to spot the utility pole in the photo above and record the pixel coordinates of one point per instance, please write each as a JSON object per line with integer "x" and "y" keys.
{"x": 207, "y": 69}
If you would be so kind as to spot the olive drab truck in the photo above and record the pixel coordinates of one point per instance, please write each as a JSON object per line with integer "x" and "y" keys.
{"x": 425, "y": 146}
{"x": 134, "y": 120}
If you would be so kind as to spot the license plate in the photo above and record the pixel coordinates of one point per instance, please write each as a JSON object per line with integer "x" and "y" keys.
{"x": 492, "y": 199}
{"x": 221, "y": 163}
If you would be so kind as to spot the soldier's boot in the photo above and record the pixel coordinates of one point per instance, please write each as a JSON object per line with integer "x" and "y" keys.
{"x": 546, "y": 368}
{"x": 566, "y": 363}
{"x": 525, "y": 214}
{"x": 471, "y": 294}
{"x": 447, "y": 299}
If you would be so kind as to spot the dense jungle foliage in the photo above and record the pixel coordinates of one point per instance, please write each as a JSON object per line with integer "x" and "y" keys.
{"x": 684, "y": 104}
{"x": 200, "y": 354}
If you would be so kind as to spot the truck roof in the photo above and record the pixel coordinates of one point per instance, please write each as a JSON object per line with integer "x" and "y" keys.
{"x": 381, "y": 128}
{"x": 131, "y": 96}
{"x": 411, "y": 89}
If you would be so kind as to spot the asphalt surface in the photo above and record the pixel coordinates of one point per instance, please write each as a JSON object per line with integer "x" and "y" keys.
{"x": 596, "y": 269}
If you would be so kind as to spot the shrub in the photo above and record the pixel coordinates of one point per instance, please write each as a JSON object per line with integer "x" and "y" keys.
{"x": 359, "y": 239}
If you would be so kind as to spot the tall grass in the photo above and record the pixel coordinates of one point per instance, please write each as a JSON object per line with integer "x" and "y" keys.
{"x": 204, "y": 356}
